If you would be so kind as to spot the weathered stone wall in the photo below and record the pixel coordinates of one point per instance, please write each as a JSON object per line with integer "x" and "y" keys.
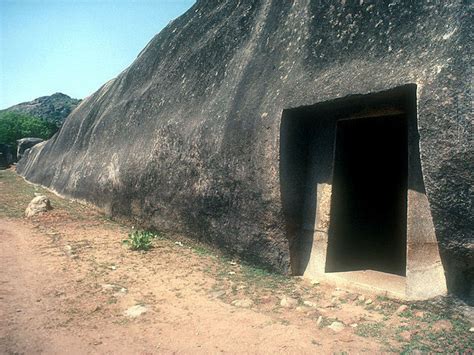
{"x": 187, "y": 138}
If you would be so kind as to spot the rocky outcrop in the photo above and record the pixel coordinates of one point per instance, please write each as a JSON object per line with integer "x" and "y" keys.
{"x": 6, "y": 156}
{"x": 188, "y": 137}
{"x": 24, "y": 144}
{"x": 54, "y": 108}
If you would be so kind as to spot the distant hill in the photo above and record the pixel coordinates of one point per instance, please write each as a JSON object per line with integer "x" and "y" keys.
{"x": 53, "y": 109}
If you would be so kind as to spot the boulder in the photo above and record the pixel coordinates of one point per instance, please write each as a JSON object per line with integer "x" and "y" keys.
{"x": 37, "y": 205}
{"x": 24, "y": 144}
{"x": 6, "y": 156}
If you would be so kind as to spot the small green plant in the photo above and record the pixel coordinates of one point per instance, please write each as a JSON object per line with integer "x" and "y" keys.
{"x": 381, "y": 298}
{"x": 263, "y": 278}
{"x": 200, "y": 250}
{"x": 370, "y": 329}
{"x": 326, "y": 322}
{"x": 407, "y": 314}
{"x": 140, "y": 240}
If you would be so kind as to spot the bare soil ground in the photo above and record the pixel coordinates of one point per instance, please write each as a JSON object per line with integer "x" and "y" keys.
{"x": 69, "y": 285}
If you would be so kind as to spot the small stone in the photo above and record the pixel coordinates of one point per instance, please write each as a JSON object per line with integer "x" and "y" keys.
{"x": 361, "y": 298}
{"x": 119, "y": 290}
{"x": 352, "y": 297}
{"x": 18, "y": 310}
{"x": 179, "y": 243}
{"x": 314, "y": 282}
{"x": 231, "y": 273}
{"x": 136, "y": 311}
{"x": 319, "y": 321}
{"x": 471, "y": 329}
{"x": 401, "y": 309}
{"x": 336, "y": 326}
{"x": 354, "y": 325}
{"x": 369, "y": 301}
{"x": 378, "y": 307}
{"x": 309, "y": 304}
{"x": 288, "y": 302}
{"x": 245, "y": 303}
{"x": 442, "y": 325}
{"x": 419, "y": 314}
{"x": 218, "y": 294}
{"x": 70, "y": 251}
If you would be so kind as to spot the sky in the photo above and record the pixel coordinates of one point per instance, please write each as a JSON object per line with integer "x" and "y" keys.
{"x": 73, "y": 46}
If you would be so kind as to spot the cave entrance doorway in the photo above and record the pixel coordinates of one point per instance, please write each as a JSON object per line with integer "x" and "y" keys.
{"x": 353, "y": 197}
{"x": 369, "y": 195}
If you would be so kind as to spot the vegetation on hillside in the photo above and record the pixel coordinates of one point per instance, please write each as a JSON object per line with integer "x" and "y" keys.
{"x": 15, "y": 126}
{"x": 54, "y": 108}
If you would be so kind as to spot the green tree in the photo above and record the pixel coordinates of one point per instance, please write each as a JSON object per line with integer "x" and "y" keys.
{"x": 15, "y": 126}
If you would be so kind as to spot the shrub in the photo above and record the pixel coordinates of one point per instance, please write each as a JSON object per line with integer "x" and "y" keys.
{"x": 14, "y": 125}
{"x": 139, "y": 240}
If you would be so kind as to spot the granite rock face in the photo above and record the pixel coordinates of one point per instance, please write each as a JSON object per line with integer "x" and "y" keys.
{"x": 188, "y": 137}
{"x": 24, "y": 144}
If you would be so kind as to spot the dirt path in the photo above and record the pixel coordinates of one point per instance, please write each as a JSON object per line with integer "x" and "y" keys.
{"x": 55, "y": 303}
{"x": 67, "y": 283}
